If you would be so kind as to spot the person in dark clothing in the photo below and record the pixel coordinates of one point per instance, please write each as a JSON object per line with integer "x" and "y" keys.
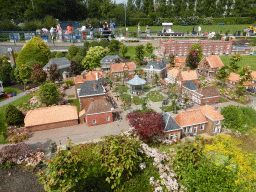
{"x": 100, "y": 28}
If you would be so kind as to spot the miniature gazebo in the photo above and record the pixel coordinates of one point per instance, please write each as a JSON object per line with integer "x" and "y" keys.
{"x": 136, "y": 84}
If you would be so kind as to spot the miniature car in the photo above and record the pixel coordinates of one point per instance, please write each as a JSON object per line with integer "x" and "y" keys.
{"x": 7, "y": 95}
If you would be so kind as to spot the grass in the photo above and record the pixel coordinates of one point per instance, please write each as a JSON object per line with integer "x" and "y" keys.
{"x": 131, "y": 52}
{"x": 147, "y": 87}
{"x": 19, "y": 102}
{"x": 222, "y": 100}
{"x": 76, "y": 103}
{"x": 155, "y": 96}
{"x": 8, "y": 90}
{"x": 71, "y": 96}
{"x": 137, "y": 100}
{"x": 245, "y": 61}
{"x": 126, "y": 98}
{"x": 122, "y": 89}
{"x": 216, "y": 28}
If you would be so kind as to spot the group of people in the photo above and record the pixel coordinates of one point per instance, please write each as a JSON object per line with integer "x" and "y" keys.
{"x": 104, "y": 29}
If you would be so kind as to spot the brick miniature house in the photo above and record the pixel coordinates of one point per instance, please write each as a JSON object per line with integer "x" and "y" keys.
{"x": 234, "y": 78}
{"x": 182, "y": 47}
{"x": 107, "y": 61}
{"x": 210, "y": 65}
{"x": 172, "y": 76}
{"x": 189, "y": 75}
{"x": 99, "y": 112}
{"x": 180, "y": 62}
{"x": 122, "y": 70}
{"x": 51, "y": 117}
{"x": 90, "y": 76}
{"x": 90, "y": 91}
{"x": 171, "y": 127}
{"x": 203, "y": 120}
{"x": 253, "y": 82}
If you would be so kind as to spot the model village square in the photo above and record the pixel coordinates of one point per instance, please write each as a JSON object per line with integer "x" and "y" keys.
{"x": 172, "y": 92}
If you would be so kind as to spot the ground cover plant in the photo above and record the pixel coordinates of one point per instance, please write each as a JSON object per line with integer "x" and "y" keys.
{"x": 76, "y": 103}
{"x": 155, "y": 96}
{"x": 8, "y": 90}
{"x": 122, "y": 89}
{"x": 137, "y": 100}
{"x": 126, "y": 98}
{"x": 247, "y": 60}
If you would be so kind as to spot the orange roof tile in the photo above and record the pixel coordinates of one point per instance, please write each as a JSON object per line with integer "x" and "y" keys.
{"x": 81, "y": 113}
{"x": 214, "y": 61}
{"x": 253, "y": 75}
{"x": 79, "y": 79}
{"x": 120, "y": 66}
{"x": 99, "y": 106}
{"x": 191, "y": 117}
{"x": 189, "y": 75}
{"x": 234, "y": 77}
{"x": 211, "y": 112}
{"x": 174, "y": 72}
{"x": 48, "y": 115}
{"x": 180, "y": 61}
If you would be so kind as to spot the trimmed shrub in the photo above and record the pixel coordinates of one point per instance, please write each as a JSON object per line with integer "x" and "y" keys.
{"x": 34, "y": 49}
{"x": 5, "y": 72}
{"x": 59, "y": 55}
{"x": 6, "y": 25}
{"x": 48, "y": 93}
{"x": 14, "y": 116}
{"x": 72, "y": 51}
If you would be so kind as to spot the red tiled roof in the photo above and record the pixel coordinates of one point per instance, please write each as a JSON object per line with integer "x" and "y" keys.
{"x": 90, "y": 76}
{"x": 48, "y": 115}
{"x": 214, "y": 61}
{"x": 253, "y": 75}
{"x": 79, "y": 79}
{"x": 211, "y": 112}
{"x": 120, "y": 66}
{"x": 209, "y": 91}
{"x": 234, "y": 77}
{"x": 99, "y": 106}
{"x": 189, "y": 75}
{"x": 173, "y": 72}
{"x": 191, "y": 117}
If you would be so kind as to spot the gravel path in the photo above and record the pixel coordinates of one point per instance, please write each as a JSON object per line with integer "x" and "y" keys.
{"x": 11, "y": 99}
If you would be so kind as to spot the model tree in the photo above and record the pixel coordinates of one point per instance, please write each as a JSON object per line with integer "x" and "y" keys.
{"x": 48, "y": 93}
{"x": 72, "y": 52}
{"x": 193, "y": 59}
{"x": 53, "y": 72}
{"x": 93, "y": 57}
{"x": 139, "y": 53}
{"x": 149, "y": 48}
{"x": 123, "y": 50}
{"x": 38, "y": 75}
{"x": 146, "y": 124}
{"x": 14, "y": 116}
{"x": 233, "y": 66}
{"x": 5, "y": 72}
{"x": 172, "y": 60}
{"x": 24, "y": 74}
{"x": 197, "y": 46}
{"x": 223, "y": 74}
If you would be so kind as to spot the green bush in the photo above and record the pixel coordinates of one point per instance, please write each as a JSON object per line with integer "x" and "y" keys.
{"x": 32, "y": 62}
{"x": 78, "y": 59}
{"x": 94, "y": 44}
{"x": 72, "y": 51}
{"x": 34, "y": 49}
{"x": 6, "y": 25}
{"x": 49, "y": 22}
{"x": 104, "y": 43}
{"x": 48, "y": 93}
{"x": 69, "y": 82}
{"x": 32, "y": 25}
{"x": 14, "y": 116}
{"x": 83, "y": 51}
{"x": 79, "y": 169}
{"x": 5, "y": 72}
{"x": 53, "y": 54}
{"x": 59, "y": 55}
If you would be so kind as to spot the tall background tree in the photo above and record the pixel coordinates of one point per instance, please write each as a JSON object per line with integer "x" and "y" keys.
{"x": 192, "y": 59}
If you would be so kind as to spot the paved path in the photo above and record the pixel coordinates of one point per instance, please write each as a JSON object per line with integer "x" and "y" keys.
{"x": 11, "y": 99}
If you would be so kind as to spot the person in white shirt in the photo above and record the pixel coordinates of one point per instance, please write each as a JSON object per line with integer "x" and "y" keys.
{"x": 199, "y": 30}
{"x": 52, "y": 32}
{"x": 83, "y": 31}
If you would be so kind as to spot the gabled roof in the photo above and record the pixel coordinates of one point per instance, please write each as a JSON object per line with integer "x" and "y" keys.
{"x": 189, "y": 75}
{"x": 99, "y": 106}
{"x": 88, "y": 88}
{"x": 214, "y": 61}
{"x": 233, "y": 77}
{"x": 191, "y": 117}
{"x": 190, "y": 85}
{"x": 169, "y": 123}
{"x": 48, "y": 115}
{"x": 211, "y": 112}
{"x": 109, "y": 58}
{"x": 90, "y": 76}
{"x": 209, "y": 91}
{"x": 173, "y": 72}
{"x": 120, "y": 66}
{"x": 253, "y": 75}
{"x": 156, "y": 65}
{"x": 79, "y": 79}
{"x": 179, "y": 61}
{"x": 62, "y": 63}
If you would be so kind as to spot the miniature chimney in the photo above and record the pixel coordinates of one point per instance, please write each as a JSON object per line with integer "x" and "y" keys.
{"x": 95, "y": 86}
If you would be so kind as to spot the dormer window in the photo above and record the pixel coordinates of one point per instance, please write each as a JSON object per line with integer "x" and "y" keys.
{"x": 217, "y": 122}
{"x": 151, "y": 67}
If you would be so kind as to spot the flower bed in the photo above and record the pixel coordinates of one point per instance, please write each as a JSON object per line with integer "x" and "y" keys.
{"x": 155, "y": 96}
{"x": 16, "y": 135}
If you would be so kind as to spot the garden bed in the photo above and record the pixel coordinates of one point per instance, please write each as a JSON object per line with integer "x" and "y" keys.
{"x": 126, "y": 98}
{"x": 137, "y": 100}
{"x": 155, "y": 96}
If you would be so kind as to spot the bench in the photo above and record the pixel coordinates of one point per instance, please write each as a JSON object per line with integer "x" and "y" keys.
{"x": 222, "y": 23}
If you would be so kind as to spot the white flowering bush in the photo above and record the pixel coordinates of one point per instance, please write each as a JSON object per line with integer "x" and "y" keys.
{"x": 16, "y": 135}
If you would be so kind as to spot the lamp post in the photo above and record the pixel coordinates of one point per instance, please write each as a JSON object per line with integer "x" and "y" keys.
{"x": 125, "y": 13}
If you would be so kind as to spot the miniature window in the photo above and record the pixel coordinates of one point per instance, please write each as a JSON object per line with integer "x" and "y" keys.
{"x": 167, "y": 137}
{"x": 190, "y": 129}
{"x": 214, "y": 129}
{"x": 202, "y": 127}
{"x": 217, "y": 122}
{"x": 171, "y": 137}
{"x": 93, "y": 121}
{"x": 184, "y": 130}
{"x": 108, "y": 118}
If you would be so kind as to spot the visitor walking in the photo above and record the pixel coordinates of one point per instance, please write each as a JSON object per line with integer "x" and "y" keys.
{"x": 83, "y": 29}
{"x": 138, "y": 26}
{"x": 52, "y": 32}
{"x": 100, "y": 28}
{"x": 112, "y": 26}
{"x": 199, "y": 30}
{"x": 91, "y": 30}
{"x": 70, "y": 32}
{"x": 59, "y": 32}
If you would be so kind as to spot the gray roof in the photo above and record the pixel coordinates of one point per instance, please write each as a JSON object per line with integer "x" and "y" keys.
{"x": 87, "y": 88}
{"x": 190, "y": 85}
{"x": 137, "y": 81}
{"x": 169, "y": 123}
{"x": 240, "y": 47}
{"x": 157, "y": 65}
{"x": 62, "y": 63}
{"x": 109, "y": 58}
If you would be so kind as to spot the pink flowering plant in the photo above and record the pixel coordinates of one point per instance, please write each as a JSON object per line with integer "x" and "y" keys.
{"x": 16, "y": 135}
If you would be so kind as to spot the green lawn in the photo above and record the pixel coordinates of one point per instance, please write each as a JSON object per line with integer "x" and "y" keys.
{"x": 216, "y": 28}
{"x": 245, "y": 61}
{"x": 222, "y": 100}
{"x": 76, "y": 103}
{"x": 8, "y": 90}
{"x": 131, "y": 52}
{"x": 71, "y": 96}
{"x": 19, "y": 102}
{"x": 126, "y": 98}
{"x": 122, "y": 89}
{"x": 137, "y": 100}
{"x": 155, "y": 96}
